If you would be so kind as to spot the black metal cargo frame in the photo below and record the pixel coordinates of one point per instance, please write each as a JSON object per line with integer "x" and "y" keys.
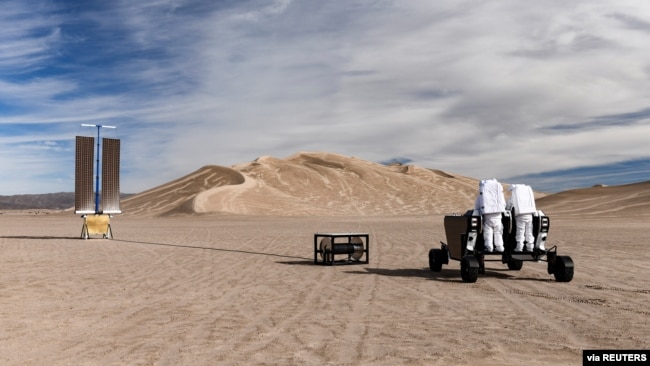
{"x": 342, "y": 244}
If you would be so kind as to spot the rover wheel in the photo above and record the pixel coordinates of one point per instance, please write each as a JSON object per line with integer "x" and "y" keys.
{"x": 435, "y": 260}
{"x": 563, "y": 269}
{"x": 469, "y": 268}
{"x": 515, "y": 264}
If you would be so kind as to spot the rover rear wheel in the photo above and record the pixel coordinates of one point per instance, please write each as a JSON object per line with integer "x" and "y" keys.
{"x": 563, "y": 269}
{"x": 435, "y": 260}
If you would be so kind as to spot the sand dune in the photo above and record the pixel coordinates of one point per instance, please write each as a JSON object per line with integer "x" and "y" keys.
{"x": 309, "y": 184}
{"x": 178, "y": 195}
{"x": 622, "y": 201}
{"x": 327, "y": 184}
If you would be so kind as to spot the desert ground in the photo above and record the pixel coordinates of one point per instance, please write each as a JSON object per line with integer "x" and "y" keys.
{"x": 200, "y": 284}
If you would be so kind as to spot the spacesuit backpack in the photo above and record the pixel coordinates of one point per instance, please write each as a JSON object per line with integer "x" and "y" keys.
{"x": 522, "y": 199}
{"x": 491, "y": 199}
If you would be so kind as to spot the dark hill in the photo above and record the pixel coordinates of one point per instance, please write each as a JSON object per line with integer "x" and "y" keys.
{"x": 47, "y": 201}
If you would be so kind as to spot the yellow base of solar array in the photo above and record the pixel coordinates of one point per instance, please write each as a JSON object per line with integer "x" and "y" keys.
{"x": 98, "y": 224}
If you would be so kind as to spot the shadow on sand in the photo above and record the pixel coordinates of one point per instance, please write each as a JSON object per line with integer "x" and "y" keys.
{"x": 208, "y": 248}
{"x": 396, "y": 272}
{"x": 446, "y": 275}
{"x": 33, "y": 237}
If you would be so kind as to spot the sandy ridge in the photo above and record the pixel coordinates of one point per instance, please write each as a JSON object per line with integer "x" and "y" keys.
{"x": 308, "y": 184}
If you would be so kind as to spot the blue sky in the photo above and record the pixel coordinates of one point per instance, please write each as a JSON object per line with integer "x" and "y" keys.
{"x": 555, "y": 95}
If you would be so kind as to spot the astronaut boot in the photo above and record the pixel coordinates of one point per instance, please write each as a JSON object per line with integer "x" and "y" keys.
{"x": 488, "y": 249}
{"x": 529, "y": 247}
{"x": 498, "y": 245}
{"x": 519, "y": 247}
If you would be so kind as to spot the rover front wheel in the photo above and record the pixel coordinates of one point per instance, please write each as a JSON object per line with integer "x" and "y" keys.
{"x": 469, "y": 267}
{"x": 515, "y": 264}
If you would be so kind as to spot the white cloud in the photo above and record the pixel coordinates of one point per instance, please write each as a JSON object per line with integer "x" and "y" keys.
{"x": 465, "y": 86}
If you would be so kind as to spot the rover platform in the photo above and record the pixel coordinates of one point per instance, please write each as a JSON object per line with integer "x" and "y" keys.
{"x": 465, "y": 244}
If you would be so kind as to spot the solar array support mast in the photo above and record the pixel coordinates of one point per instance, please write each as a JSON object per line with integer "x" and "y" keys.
{"x": 97, "y": 166}
{"x": 97, "y": 218}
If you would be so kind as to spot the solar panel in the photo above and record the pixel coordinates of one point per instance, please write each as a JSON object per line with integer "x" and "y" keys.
{"x": 83, "y": 192}
{"x": 110, "y": 176}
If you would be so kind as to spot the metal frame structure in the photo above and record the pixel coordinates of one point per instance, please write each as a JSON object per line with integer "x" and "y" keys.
{"x": 354, "y": 245}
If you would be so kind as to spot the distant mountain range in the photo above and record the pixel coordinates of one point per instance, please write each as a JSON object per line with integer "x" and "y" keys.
{"x": 46, "y": 201}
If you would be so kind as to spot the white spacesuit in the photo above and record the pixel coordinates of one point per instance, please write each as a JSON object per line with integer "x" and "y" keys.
{"x": 490, "y": 203}
{"x": 522, "y": 202}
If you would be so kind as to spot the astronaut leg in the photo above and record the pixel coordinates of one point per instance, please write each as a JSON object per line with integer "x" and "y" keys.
{"x": 527, "y": 221}
{"x": 530, "y": 238}
{"x": 487, "y": 237}
{"x": 520, "y": 231}
{"x": 498, "y": 236}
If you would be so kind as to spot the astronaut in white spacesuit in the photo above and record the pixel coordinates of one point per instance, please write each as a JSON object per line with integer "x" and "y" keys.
{"x": 490, "y": 203}
{"x": 522, "y": 203}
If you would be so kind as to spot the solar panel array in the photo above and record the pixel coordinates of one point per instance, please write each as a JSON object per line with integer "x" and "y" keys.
{"x": 84, "y": 202}
{"x": 111, "y": 175}
{"x": 84, "y": 194}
